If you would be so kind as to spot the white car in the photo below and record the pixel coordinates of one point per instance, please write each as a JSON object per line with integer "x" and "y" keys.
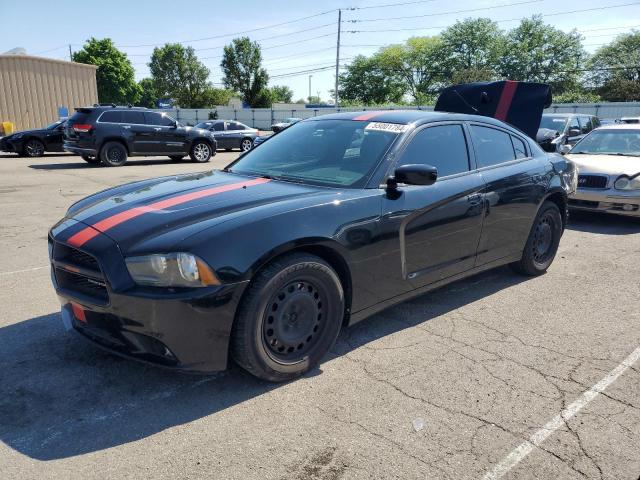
{"x": 608, "y": 161}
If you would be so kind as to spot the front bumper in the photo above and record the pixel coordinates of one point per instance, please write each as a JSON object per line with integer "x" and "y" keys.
{"x": 607, "y": 201}
{"x": 10, "y": 146}
{"x": 182, "y": 329}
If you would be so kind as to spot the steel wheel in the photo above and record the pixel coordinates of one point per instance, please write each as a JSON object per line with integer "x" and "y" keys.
{"x": 543, "y": 238}
{"x": 246, "y": 144}
{"x": 201, "y": 152}
{"x": 292, "y": 324}
{"x": 34, "y": 148}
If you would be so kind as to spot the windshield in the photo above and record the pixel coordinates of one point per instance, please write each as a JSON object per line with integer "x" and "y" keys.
{"x": 553, "y": 123}
{"x": 339, "y": 153}
{"x": 610, "y": 142}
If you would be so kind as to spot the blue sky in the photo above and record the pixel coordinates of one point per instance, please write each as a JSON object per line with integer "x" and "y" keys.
{"x": 46, "y": 27}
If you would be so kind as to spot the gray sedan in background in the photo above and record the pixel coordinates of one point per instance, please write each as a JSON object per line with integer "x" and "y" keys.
{"x": 231, "y": 134}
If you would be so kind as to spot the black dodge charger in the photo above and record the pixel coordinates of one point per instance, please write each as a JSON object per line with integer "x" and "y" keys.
{"x": 332, "y": 220}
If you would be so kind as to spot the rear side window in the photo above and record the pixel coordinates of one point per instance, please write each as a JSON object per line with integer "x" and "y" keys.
{"x": 585, "y": 124}
{"x": 442, "y": 146}
{"x": 111, "y": 117}
{"x": 492, "y": 146}
{"x": 154, "y": 118}
{"x": 519, "y": 147}
{"x": 573, "y": 124}
{"x": 133, "y": 117}
{"x": 235, "y": 126}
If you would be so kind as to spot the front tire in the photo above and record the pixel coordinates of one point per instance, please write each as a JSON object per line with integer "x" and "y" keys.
{"x": 33, "y": 148}
{"x": 543, "y": 241}
{"x": 246, "y": 144}
{"x": 113, "y": 154}
{"x": 288, "y": 319}
{"x": 201, "y": 152}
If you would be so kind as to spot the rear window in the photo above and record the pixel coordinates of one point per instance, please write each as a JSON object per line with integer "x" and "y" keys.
{"x": 81, "y": 116}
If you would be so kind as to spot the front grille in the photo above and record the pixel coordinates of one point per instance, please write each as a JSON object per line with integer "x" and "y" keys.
{"x": 592, "y": 181}
{"x": 79, "y": 273}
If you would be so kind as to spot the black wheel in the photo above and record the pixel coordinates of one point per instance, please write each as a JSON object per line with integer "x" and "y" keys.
{"x": 34, "y": 148}
{"x": 91, "y": 159}
{"x": 113, "y": 154}
{"x": 176, "y": 158}
{"x": 246, "y": 144}
{"x": 200, "y": 152}
{"x": 288, "y": 319}
{"x": 543, "y": 241}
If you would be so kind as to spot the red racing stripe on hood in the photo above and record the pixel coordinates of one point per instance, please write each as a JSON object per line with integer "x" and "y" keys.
{"x": 86, "y": 234}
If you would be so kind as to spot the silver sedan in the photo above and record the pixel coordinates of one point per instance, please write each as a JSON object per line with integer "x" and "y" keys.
{"x": 608, "y": 161}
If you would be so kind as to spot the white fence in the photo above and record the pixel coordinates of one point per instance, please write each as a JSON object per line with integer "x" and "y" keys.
{"x": 263, "y": 118}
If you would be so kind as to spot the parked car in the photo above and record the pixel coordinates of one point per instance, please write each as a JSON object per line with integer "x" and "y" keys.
{"x": 231, "y": 134}
{"x": 262, "y": 138}
{"x": 630, "y": 120}
{"x": 327, "y": 223}
{"x": 108, "y": 134}
{"x": 558, "y": 129}
{"x": 33, "y": 143}
{"x": 286, "y": 123}
{"x": 608, "y": 161}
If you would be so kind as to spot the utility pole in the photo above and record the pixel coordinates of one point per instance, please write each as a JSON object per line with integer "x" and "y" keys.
{"x": 309, "y": 97}
{"x": 70, "y": 54}
{"x": 338, "y": 55}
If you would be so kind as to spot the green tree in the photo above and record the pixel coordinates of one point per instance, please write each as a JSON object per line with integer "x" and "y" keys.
{"x": 243, "y": 72}
{"x": 216, "y": 96}
{"x": 537, "y": 52}
{"x": 366, "y": 82}
{"x": 178, "y": 74}
{"x": 615, "y": 69}
{"x": 148, "y": 95}
{"x": 115, "y": 76}
{"x": 473, "y": 45}
{"x": 281, "y": 94}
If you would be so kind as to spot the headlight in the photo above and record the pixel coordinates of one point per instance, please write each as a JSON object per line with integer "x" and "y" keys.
{"x": 171, "y": 270}
{"x": 625, "y": 183}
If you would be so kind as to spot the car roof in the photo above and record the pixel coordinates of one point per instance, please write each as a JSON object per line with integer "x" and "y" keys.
{"x": 567, "y": 115}
{"x": 407, "y": 117}
{"x": 620, "y": 126}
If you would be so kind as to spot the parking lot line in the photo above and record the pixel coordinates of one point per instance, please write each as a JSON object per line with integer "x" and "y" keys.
{"x": 24, "y": 270}
{"x": 525, "y": 448}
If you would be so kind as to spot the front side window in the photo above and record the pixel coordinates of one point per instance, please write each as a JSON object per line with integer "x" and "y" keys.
{"x": 442, "y": 146}
{"x": 337, "y": 153}
{"x": 610, "y": 142}
{"x": 573, "y": 125}
{"x": 492, "y": 146}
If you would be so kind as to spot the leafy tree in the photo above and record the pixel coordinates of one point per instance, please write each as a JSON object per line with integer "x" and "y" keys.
{"x": 367, "y": 82}
{"x": 301, "y": 101}
{"x": 577, "y": 95}
{"x": 415, "y": 68}
{"x": 616, "y": 68}
{"x": 474, "y": 44}
{"x": 537, "y": 52}
{"x": 178, "y": 74}
{"x": 115, "y": 76}
{"x": 216, "y": 96}
{"x": 243, "y": 72}
{"x": 281, "y": 94}
{"x": 148, "y": 95}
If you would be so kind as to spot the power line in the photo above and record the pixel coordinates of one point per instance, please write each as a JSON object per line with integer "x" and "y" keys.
{"x": 451, "y": 12}
{"x": 608, "y": 28}
{"x": 235, "y": 33}
{"x": 390, "y": 5}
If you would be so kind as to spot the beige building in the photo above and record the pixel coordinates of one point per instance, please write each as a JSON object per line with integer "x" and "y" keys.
{"x": 32, "y": 89}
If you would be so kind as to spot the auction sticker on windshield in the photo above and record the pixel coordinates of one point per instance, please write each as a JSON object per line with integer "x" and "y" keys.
{"x": 387, "y": 127}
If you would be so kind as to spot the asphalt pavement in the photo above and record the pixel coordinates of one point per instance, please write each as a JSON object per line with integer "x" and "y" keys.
{"x": 497, "y": 376}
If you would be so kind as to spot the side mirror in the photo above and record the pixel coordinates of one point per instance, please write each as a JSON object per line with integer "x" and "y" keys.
{"x": 416, "y": 174}
{"x": 573, "y": 132}
{"x": 564, "y": 149}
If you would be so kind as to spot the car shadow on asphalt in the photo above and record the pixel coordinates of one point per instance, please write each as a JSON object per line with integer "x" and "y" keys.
{"x": 46, "y": 155}
{"x": 83, "y": 165}
{"x": 603, "y": 223}
{"x": 61, "y": 397}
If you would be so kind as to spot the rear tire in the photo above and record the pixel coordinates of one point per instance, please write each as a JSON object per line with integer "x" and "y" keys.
{"x": 288, "y": 319}
{"x": 543, "y": 241}
{"x": 113, "y": 154}
{"x": 91, "y": 159}
{"x": 201, "y": 152}
{"x": 33, "y": 148}
{"x": 176, "y": 158}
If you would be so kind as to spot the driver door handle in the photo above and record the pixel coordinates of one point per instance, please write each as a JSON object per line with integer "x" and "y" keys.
{"x": 157, "y": 129}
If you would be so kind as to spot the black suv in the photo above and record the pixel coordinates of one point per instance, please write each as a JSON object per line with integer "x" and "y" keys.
{"x": 108, "y": 134}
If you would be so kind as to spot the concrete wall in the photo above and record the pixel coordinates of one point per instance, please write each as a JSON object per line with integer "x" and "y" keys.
{"x": 32, "y": 89}
{"x": 263, "y": 117}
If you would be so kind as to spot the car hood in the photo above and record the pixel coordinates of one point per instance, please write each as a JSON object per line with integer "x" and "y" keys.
{"x": 606, "y": 164}
{"x": 173, "y": 208}
{"x": 25, "y": 132}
